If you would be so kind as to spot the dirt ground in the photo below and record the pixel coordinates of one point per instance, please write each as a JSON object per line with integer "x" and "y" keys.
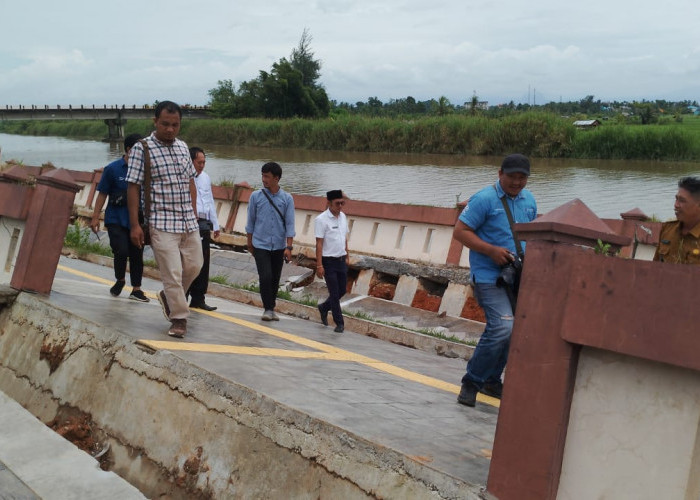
{"x": 472, "y": 310}
{"x": 76, "y": 426}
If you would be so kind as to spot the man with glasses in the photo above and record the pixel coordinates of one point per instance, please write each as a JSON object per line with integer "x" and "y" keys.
{"x": 331, "y": 230}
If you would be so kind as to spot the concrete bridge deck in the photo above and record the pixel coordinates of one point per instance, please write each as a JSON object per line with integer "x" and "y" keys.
{"x": 395, "y": 398}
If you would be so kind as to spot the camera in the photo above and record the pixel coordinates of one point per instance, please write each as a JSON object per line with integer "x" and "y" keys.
{"x": 118, "y": 199}
{"x": 510, "y": 273}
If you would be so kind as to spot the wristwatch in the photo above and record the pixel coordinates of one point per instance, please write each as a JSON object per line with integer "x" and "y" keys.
{"x": 290, "y": 248}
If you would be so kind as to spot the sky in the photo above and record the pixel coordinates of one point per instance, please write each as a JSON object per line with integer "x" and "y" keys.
{"x": 126, "y": 52}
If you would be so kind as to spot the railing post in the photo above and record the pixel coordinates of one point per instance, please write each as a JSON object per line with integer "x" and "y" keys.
{"x": 45, "y": 229}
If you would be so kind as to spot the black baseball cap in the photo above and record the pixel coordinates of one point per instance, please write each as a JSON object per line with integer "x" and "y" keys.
{"x": 516, "y": 163}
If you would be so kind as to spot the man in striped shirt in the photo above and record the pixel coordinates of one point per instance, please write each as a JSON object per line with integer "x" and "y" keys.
{"x": 172, "y": 220}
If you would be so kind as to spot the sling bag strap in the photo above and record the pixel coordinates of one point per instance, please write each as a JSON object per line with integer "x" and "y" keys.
{"x": 284, "y": 221}
{"x": 146, "y": 180}
{"x": 518, "y": 245}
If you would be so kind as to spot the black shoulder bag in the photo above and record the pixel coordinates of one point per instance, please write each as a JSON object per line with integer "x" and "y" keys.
{"x": 147, "y": 193}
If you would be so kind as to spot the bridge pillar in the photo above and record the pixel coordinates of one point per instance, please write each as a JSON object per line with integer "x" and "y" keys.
{"x": 116, "y": 128}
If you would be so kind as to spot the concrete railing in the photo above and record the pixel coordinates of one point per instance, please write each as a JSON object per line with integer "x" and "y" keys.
{"x": 35, "y": 207}
{"x": 420, "y": 234}
{"x": 602, "y": 391}
{"x": 82, "y": 112}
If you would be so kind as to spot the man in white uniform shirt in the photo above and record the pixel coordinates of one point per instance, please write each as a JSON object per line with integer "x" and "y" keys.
{"x": 331, "y": 231}
{"x": 208, "y": 222}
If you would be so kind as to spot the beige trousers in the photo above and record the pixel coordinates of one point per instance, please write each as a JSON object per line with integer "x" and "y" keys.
{"x": 179, "y": 259}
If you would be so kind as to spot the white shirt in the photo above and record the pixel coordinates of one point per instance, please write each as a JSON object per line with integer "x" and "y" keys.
{"x": 334, "y": 231}
{"x": 206, "y": 209}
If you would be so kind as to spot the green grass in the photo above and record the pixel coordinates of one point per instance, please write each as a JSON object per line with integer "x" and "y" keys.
{"x": 534, "y": 133}
{"x": 425, "y": 331}
{"x": 78, "y": 239}
{"x": 626, "y": 142}
{"x": 248, "y": 287}
{"x": 227, "y": 182}
{"x": 221, "y": 279}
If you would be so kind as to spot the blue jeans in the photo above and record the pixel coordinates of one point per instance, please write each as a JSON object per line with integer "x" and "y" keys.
{"x": 336, "y": 276}
{"x": 491, "y": 354}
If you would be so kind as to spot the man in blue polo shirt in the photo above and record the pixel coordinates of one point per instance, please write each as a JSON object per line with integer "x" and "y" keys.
{"x": 113, "y": 186}
{"x": 270, "y": 234}
{"x": 483, "y": 227}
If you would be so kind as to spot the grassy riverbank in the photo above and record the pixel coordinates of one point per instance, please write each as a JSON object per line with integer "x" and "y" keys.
{"x": 533, "y": 133}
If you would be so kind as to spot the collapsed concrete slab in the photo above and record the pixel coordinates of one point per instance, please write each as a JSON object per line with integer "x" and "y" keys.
{"x": 175, "y": 429}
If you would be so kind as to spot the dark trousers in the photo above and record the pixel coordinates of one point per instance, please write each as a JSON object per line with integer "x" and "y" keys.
{"x": 336, "y": 276}
{"x": 123, "y": 250}
{"x": 198, "y": 288}
{"x": 269, "y": 264}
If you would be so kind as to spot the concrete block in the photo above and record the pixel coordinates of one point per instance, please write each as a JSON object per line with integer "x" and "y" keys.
{"x": 364, "y": 279}
{"x": 454, "y": 298}
{"x": 406, "y": 289}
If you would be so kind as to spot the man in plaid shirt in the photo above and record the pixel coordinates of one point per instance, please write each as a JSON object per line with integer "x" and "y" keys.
{"x": 173, "y": 219}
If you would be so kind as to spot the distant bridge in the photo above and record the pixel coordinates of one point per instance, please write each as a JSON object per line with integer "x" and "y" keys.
{"x": 114, "y": 116}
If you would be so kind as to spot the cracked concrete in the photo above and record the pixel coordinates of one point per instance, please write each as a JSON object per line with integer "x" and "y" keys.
{"x": 206, "y": 425}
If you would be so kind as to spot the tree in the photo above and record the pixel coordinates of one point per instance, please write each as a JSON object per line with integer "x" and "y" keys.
{"x": 289, "y": 89}
{"x": 444, "y": 106}
{"x": 223, "y": 99}
{"x": 302, "y": 60}
{"x": 473, "y": 104}
{"x": 646, "y": 111}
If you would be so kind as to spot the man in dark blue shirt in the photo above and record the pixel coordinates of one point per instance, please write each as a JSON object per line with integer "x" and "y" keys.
{"x": 113, "y": 186}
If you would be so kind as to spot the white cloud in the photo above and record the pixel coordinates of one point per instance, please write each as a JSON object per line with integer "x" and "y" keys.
{"x": 133, "y": 52}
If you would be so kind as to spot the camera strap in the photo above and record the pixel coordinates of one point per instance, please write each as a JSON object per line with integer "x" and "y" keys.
{"x": 284, "y": 222}
{"x": 518, "y": 245}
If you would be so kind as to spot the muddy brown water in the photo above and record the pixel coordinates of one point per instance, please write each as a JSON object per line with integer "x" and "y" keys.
{"x": 608, "y": 187}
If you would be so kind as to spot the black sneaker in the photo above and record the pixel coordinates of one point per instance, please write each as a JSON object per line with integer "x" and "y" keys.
{"x": 139, "y": 295}
{"x": 493, "y": 389}
{"x": 467, "y": 395}
{"x": 117, "y": 288}
{"x": 339, "y": 329}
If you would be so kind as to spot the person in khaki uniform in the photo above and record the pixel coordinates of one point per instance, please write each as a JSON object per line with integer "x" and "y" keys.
{"x": 679, "y": 242}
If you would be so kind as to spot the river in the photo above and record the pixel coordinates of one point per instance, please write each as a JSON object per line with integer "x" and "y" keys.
{"x": 608, "y": 187}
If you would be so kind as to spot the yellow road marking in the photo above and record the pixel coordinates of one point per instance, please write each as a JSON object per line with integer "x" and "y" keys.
{"x": 236, "y": 349}
{"x": 326, "y": 352}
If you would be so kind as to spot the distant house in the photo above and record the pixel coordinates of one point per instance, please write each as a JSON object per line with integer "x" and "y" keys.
{"x": 586, "y": 123}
